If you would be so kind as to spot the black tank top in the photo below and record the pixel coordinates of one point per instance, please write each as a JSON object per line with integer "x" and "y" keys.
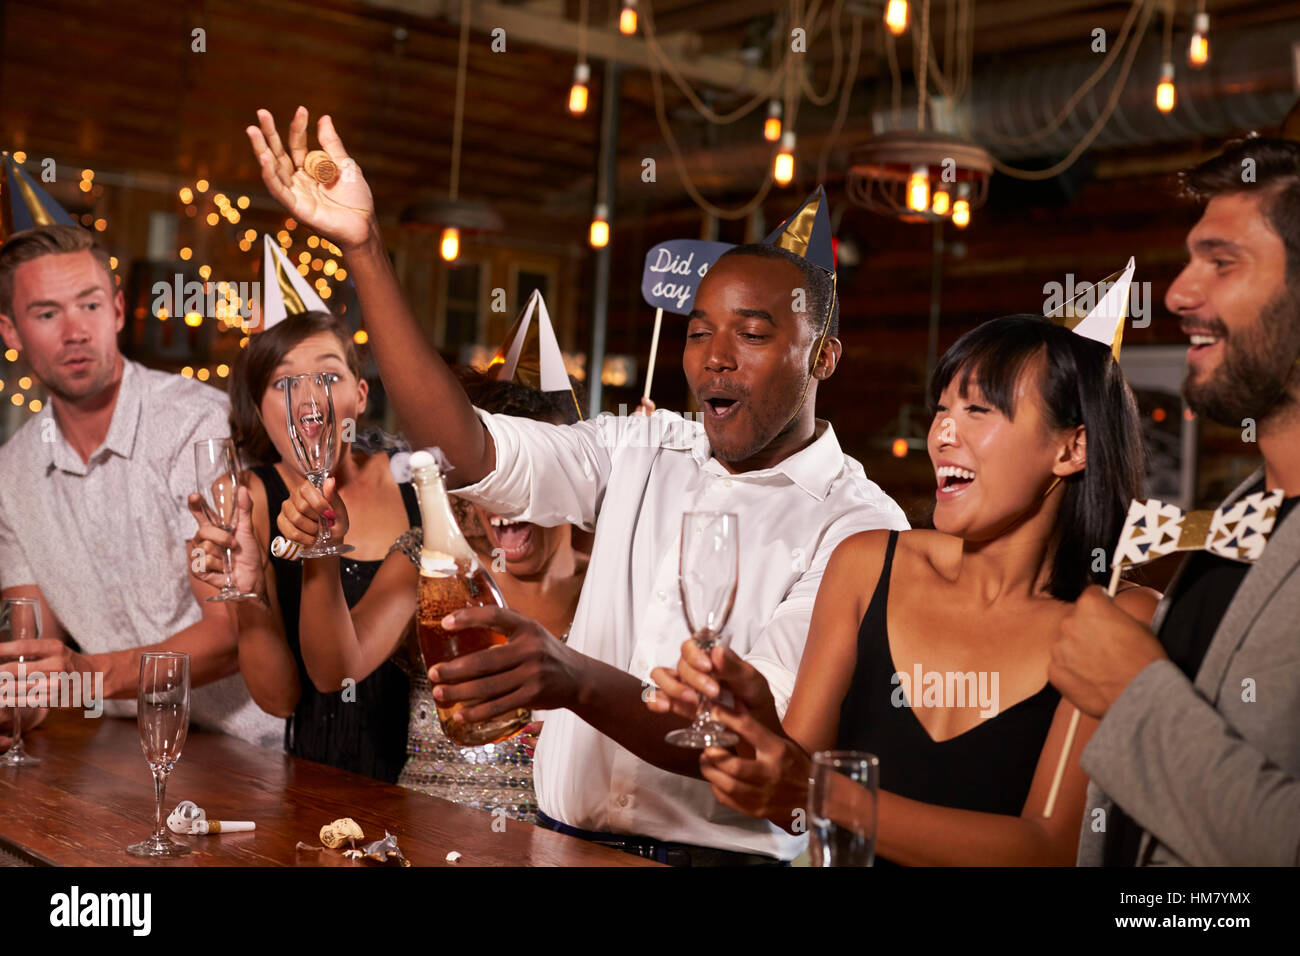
{"x": 989, "y": 768}
{"x": 368, "y": 735}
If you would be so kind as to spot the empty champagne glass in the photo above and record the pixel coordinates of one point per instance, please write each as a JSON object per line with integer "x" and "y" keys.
{"x": 20, "y": 620}
{"x": 216, "y": 472}
{"x": 842, "y": 808}
{"x": 313, "y": 432}
{"x": 163, "y": 710}
{"x": 707, "y": 576}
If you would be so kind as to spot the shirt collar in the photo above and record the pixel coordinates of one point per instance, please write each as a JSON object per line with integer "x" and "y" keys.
{"x": 120, "y": 439}
{"x": 813, "y": 468}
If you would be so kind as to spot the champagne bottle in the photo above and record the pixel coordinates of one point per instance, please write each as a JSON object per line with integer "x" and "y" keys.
{"x": 452, "y": 578}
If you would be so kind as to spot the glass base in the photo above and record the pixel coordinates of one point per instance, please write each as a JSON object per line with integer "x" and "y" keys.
{"x": 157, "y": 847}
{"x": 701, "y": 738}
{"x": 233, "y": 594}
{"x": 325, "y": 552}
{"x": 15, "y": 756}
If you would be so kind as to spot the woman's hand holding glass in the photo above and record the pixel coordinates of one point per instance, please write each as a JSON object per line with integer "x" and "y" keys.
{"x": 307, "y": 507}
{"x": 719, "y": 675}
{"x": 767, "y": 776}
{"x": 246, "y": 568}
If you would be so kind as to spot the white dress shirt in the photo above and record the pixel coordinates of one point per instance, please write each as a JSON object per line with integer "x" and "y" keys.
{"x": 106, "y": 540}
{"x": 632, "y": 478}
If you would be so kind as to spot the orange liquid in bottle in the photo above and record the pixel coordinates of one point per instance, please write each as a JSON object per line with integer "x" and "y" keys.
{"x": 438, "y": 597}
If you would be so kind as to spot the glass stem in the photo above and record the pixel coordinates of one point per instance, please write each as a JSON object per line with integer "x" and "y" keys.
{"x": 230, "y": 560}
{"x": 322, "y": 530}
{"x": 160, "y": 793}
{"x": 18, "y": 725}
{"x": 702, "y": 718}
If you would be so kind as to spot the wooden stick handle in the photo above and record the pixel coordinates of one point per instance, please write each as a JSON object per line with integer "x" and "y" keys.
{"x": 654, "y": 351}
{"x": 1074, "y": 726}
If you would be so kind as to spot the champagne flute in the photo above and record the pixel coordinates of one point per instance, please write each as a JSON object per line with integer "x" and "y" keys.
{"x": 707, "y": 576}
{"x": 20, "y": 620}
{"x": 216, "y": 472}
{"x": 842, "y": 808}
{"x": 163, "y": 710}
{"x": 313, "y": 432}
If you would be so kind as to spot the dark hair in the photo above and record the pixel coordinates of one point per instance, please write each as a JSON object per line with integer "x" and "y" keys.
{"x": 511, "y": 398}
{"x": 821, "y": 287}
{"x": 29, "y": 244}
{"x": 1275, "y": 171}
{"x": 1080, "y": 384}
{"x": 257, "y": 363}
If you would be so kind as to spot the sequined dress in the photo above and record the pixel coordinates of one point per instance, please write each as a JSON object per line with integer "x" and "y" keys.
{"x": 485, "y": 777}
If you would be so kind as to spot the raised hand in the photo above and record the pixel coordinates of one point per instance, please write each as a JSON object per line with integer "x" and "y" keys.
{"x": 343, "y": 210}
{"x": 245, "y": 551}
{"x": 302, "y": 512}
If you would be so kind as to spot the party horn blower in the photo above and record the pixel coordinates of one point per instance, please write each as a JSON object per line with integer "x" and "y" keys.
{"x": 190, "y": 819}
{"x": 1237, "y": 531}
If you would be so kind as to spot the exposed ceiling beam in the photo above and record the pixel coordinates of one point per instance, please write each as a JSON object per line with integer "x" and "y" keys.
{"x": 553, "y": 32}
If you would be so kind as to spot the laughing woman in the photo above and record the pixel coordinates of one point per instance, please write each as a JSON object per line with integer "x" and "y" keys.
{"x": 1036, "y": 451}
{"x": 365, "y": 733}
{"x": 537, "y": 568}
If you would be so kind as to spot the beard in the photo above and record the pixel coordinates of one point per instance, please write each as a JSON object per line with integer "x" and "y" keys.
{"x": 1257, "y": 377}
{"x": 74, "y": 389}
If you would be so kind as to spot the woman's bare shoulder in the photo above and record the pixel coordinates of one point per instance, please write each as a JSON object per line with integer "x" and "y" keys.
{"x": 866, "y": 549}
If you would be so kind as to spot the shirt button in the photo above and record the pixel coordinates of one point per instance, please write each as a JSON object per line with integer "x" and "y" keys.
{"x": 623, "y": 800}
{"x": 663, "y": 597}
{"x": 726, "y": 482}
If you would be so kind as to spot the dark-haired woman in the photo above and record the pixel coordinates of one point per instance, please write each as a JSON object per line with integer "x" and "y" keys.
{"x": 361, "y": 728}
{"x": 537, "y": 568}
{"x": 1036, "y": 451}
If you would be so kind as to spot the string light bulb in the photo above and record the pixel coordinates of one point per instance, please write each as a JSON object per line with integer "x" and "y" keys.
{"x": 1165, "y": 95}
{"x": 918, "y": 189}
{"x": 961, "y": 207}
{"x": 772, "y": 125}
{"x": 627, "y": 18}
{"x": 599, "y": 235}
{"x": 896, "y": 16}
{"x": 449, "y": 248}
{"x": 1198, "y": 51}
{"x": 941, "y": 204}
{"x": 578, "y": 92}
{"x": 783, "y": 165}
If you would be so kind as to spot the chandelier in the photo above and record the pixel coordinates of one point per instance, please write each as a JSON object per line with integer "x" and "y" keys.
{"x": 919, "y": 175}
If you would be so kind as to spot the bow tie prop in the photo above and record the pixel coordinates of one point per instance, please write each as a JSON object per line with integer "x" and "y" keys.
{"x": 1153, "y": 529}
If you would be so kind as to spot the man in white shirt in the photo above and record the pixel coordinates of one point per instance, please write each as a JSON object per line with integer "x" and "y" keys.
{"x": 93, "y": 515}
{"x": 753, "y": 364}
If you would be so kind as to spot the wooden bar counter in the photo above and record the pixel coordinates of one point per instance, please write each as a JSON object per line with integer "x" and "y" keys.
{"x": 93, "y": 794}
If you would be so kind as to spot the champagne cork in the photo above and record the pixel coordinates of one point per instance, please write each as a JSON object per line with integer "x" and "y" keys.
{"x": 320, "y": 167}
{"x": 341, "y": 831}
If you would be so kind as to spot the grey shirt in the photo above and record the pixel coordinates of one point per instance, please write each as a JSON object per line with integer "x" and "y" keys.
{"x": 106, "y": 540}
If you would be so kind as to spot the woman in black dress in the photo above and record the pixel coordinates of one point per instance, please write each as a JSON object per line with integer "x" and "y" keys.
{"x": 362, "y": 725}
{"x": 930, "y": 649}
